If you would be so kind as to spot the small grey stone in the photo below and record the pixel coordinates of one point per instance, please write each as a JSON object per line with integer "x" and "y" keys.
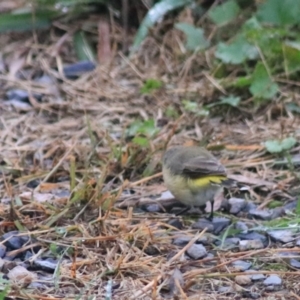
{"x": 254, "y": 295}
{"x": 210, "y": 255}
{"x": 252, "y": 236}
{"x": 9, "y": 256}
{"x": 250, "y": 244}
{"x": 228, "y": 243}
{"x": 298, "y": 243}
{"x": 153, "y": 208}
{"x": 28, "y": 255}
{"x": 17, "y": 94}
{"x": 273, "y": 280}
{"x": 236, "y": 205}
{"x": 75, "y": 70}
{"x": 2, "y": 250}
{"x": 176, "y": 223}
{"x": 291, "y": 206}
{"x": 261, "y": 214}
{"x": 248, "y": 206}
{"x": 241, "y": 265}
{"x": 177, "y": 276}
{"x": 225, "y": 289}
{"x": 278, "y": 212}
{"x": 2, "y": 262}
{"x": 182, "y": 240}
{"x": 295, "y": 263}
{"x": 196, "y": 251}
{"x": 220, "y": 223}
{"x": 13, "y": 241}
{"x": 243, "y": 279}
{"x": 21, "y": 276}
{"x": 202, "y": 224}
{"x": 48, "y": 264}
{"x": 256, "y": 277}
{"x": 283, "y": 236}
{"x": 242, "y": 226}
{"x": 286, "y": 256}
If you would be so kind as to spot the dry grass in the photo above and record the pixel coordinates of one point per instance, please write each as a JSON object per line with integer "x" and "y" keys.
{"x": 66, "y": 163}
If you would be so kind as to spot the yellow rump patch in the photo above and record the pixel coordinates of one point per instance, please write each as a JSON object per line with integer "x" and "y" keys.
{"x": 205, "y": 181}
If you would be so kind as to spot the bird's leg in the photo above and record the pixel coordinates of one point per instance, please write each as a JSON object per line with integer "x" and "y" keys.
{"x": 211, "y": 216}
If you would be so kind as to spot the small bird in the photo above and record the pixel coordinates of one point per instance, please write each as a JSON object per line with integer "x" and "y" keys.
{"x": 193, "y": 175}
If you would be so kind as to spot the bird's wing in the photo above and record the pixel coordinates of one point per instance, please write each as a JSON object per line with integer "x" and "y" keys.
{"x": 203, "y": 166}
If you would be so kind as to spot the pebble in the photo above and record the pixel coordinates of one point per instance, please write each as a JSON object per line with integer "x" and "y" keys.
{"x": 13, "y": 241}
{"x": 236, "y": 205}
{"x": 248, "y": 206}
{"x": 295, "y": 263}
{"x": 257, "y": 277}
{"x": 153, "y": 208}
{"x": 75, "y": 70}
{"x": 253, "y": 236}
{"x": 196, "y": 251}
{"x": 2, "y": 250}
{"x": 241, "y": 265}
{"x": 225, "y": 289}
{"x": 20, "y": 276}
{"x": 176, "y": 223}
{"x": 283, "y": 236}
{"x": 229, "y": 243}
{"x": 242, "y": 226}
{"x": 183, "y": 240}
{"x": 21, "y": 95}
{"x": 1, "y": 264}
{"x": 9, "y": 256}
{"x": 278, "y": 212}
{"x": 273, "y": 280}
{"x": 176, "y": 277}
{"x": 250, "y": 245}
{"x": 202, "y": 224}
{"x": 261, "y": 214}
{"x": 243, "y": 279}
{"x": 290, "y": 206}
{"x": 48, "y": 264}
{"x": 220, "y": 223}
{"x": 298, "y": 243}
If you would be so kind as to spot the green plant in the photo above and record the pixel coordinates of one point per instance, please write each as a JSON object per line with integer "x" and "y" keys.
{"x": 151, "y": 85}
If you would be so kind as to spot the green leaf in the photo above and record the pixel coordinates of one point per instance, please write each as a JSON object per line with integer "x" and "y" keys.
{"x": 262, "y": 85}
{"x": 191, "y": 106}
{"x": 273, "y": 146}
{"x": 155, "y": 14}
{"x": 288, "y": 143}
{"x": 277, "y": 146}
{"x": 195, "y": 37}
{"x": 83, "y": 48}
{"x": 171, "y": 112}
{"x": 274, "y": 204}
{"x": 141, "y": 141}
{"x": 26, "y": 21}
{"x": 236, "y": 52}
{"x": 279, "y": 12}
{"x": 291, "y": 53}
{"x": 224, "y": 13}
{"x": 298, "y": 207}
{"x": 151, "y": 85}
{"x": 231, "y": 100}
{"x": 240, "y": 82}
{"x": 138, "y": 127}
